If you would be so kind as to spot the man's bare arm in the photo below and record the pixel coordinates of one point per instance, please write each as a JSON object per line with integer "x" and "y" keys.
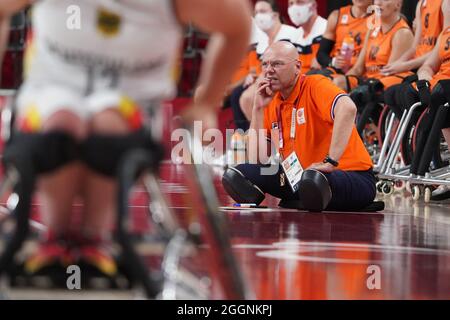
{"x": 344, "y": 120}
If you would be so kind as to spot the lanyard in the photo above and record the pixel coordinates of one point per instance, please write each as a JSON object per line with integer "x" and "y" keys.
{"x": 293, "y": 119}
{"x": 293, "y": 124}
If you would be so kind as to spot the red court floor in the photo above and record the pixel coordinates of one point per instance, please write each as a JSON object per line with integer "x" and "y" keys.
{"x": 288, "y": 254}
{"x": 400, "y": 253}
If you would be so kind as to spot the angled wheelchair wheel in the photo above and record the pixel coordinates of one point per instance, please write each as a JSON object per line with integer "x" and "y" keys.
{"x": 214, "y": 230}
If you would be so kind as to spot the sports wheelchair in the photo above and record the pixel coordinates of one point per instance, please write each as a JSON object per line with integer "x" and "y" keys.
{"x": 417, "y": 139}
{"x": 129, "y": 159}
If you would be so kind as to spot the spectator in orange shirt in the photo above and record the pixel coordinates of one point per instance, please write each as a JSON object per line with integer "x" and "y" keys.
{"x": 310, "y": 122}
{"x": 268, "y": 29}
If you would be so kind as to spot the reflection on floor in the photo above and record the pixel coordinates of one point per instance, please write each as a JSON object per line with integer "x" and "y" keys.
{"x": 400, "y": 253}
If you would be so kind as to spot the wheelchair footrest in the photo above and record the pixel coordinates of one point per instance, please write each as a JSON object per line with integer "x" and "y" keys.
{"x": 79, "y": 276}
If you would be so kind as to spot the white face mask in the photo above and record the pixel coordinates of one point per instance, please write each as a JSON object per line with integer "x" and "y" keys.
{"x": 264, "y": 21}
{"x": 299, "y": 14}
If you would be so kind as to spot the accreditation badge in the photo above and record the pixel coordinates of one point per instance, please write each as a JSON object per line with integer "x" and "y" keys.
{"x": 293, "y": 170}
{"x": 108, "y": 22}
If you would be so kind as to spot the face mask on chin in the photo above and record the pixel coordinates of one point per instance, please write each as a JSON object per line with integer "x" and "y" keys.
{"x": 264, "y": 21}
{"x": 299, "y": 14}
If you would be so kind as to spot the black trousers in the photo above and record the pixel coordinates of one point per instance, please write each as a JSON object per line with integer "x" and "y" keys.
{"x": 351, "y": 190}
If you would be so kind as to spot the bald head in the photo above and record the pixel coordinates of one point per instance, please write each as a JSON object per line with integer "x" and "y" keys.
{"x": 281, "y": 66}
{"x": 283, "y": 49}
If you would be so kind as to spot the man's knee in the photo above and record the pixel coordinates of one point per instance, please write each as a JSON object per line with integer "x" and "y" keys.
{"x": 241, "y": 189}
{"x": 314, "y": 190}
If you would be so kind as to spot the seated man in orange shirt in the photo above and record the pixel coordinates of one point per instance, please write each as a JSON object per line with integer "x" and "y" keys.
{"x": 311, "y": 124}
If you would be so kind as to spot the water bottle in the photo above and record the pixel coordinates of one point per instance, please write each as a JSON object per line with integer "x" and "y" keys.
{"x": 347, "y": 49}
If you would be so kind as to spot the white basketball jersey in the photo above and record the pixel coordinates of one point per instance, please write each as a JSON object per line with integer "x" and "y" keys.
{"x": 129, "y": 45}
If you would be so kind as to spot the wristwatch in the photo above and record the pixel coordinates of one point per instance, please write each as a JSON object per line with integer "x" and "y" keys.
{"x": 330, "y": 160}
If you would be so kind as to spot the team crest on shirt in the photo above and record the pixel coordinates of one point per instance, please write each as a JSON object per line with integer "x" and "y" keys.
{"x": 108, "y": 22}
{"x": 344, "y": 19}
{"x": 301, "y": 116}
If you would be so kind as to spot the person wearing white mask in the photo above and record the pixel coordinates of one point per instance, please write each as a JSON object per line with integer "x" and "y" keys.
{"x": 311, "y": 27}
{"x": 267, "y": 20}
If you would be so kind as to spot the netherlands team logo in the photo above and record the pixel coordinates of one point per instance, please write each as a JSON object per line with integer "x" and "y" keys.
{"x": 301, "y": 116}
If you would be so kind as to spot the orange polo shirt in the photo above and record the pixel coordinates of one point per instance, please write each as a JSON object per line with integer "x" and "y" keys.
{"x": 249, "y": 64}
{"x": 314, "y": 98}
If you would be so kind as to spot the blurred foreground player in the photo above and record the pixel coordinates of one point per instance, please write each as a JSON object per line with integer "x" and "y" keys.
{"x": 88, "y": 74}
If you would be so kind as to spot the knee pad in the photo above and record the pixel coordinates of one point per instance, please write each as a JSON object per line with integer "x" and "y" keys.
{"x": 314, "y": 191}
{"x": 240, "y": 188}
{"x": 104, "y": 153}
{"x": 47, "y": 151}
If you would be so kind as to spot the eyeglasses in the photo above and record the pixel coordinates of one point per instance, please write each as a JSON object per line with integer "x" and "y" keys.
{"x": 276, "y": 65}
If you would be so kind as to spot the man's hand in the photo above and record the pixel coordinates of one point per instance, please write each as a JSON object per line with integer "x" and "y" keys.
{"x": 323, "y": 167}
{"x": 264, "y": 94}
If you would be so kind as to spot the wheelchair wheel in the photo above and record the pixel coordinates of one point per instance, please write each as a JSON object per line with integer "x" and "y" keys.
{"x": 215, "y": 234}
{"x": 407, "y": 146}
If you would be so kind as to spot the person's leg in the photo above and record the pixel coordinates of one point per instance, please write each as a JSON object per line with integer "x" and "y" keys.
{"x": 99, "y": 192}
{"x": 391, "y": 98}
{"x": 56, "y": 192}
{"x": 240, "y": 119}
{"x": 429, "y": 137}
{"x": 58, "y": 189}
{"x": 351, "y": 190}
{"x": 246, "y": 101}
{"x": 269, "y": 179}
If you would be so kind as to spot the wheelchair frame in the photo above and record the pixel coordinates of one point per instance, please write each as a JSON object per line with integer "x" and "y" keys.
{"x": 214, "y": 231}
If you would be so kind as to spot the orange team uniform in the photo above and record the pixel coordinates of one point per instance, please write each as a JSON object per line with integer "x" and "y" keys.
{"x": 432, "y": 22}
{"x": 250, "y": 64}
{"x": 379, "y": 48}
{"x": 314, "y": 98}
{"x": 444, "y": 57}
{"x": 348, "y": 25}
